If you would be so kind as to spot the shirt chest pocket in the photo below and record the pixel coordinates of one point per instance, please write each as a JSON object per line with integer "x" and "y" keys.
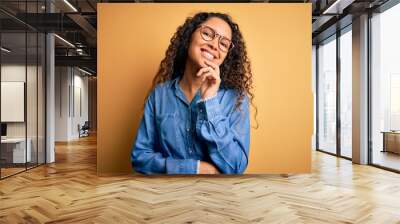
{"x": 170, "y": 134}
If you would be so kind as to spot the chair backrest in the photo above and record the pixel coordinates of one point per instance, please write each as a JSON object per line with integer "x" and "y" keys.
{"x": 86, "y": 124}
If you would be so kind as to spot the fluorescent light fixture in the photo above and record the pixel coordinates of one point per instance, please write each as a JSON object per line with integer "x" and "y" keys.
{"x": 64, "y": 40}
{"x": 80, "y": 51}
{"x": 84, "y": 71}
{"x": 338, "y": 6}
{"x": 70, "y": 5}
{"x": 5, "y": 50}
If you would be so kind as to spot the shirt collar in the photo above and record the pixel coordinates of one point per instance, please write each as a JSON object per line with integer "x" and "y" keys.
{"x": 175, "y": 83}
{"x": 179, "y": 92}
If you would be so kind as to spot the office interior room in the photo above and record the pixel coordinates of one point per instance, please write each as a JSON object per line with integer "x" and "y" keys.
{"x": 45, "y": 87}
{"x": 48, "y": 152}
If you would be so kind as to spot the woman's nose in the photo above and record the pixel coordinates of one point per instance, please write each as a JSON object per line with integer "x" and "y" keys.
{"x": 214, "y": 43}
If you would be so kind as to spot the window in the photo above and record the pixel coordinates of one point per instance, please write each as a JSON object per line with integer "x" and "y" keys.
{"x": 385, "y": 88}
{"x": 346, "y": 93}
{"x": 327, "y": 96}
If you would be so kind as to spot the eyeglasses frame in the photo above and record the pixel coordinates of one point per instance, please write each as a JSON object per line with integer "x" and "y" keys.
{"x": 216, "y": 35}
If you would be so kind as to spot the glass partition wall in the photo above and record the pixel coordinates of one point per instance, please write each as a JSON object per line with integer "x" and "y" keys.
{"x": 22, "y": 88}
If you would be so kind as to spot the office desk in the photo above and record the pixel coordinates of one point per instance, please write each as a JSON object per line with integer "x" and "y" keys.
{"x": 391, "y": 141}
{"x": 13, "y": 150}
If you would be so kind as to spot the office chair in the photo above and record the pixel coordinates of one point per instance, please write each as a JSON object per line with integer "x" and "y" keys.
{"x": 84, "y": 130}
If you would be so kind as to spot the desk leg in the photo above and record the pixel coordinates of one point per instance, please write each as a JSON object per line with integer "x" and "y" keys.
{"x": 384, "y": 142}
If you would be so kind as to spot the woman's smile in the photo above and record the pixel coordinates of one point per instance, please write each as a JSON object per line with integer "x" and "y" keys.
{"x": 207, "y": 55}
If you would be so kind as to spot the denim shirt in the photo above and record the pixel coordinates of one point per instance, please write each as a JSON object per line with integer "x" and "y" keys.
{"x": 175, "y": 134}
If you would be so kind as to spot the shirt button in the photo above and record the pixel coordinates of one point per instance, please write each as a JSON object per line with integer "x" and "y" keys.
{"x": 187, "y": 129}
{"x": 201, "y": 110}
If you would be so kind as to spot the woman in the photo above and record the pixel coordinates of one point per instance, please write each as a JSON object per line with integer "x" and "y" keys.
{"x": 196, "y": 117}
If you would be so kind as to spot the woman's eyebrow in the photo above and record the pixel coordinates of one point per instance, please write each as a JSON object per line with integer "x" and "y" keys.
{"x": 226, "y": 36}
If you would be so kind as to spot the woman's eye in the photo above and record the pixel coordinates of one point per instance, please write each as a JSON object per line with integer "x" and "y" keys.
{"x": 208, "y": 34}
{"x": 224, "y": 44}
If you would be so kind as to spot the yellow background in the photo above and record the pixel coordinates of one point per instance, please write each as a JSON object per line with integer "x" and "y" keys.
{"x": 132, "y": 40}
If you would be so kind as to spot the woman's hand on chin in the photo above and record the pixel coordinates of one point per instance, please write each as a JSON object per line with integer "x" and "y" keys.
{"x": 210, "y": 77}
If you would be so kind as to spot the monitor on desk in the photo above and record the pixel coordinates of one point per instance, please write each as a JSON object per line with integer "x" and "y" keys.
{"x": 3, "y": 130}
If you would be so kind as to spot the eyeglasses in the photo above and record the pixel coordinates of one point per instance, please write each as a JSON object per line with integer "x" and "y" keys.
{"x": 209, "y": 34}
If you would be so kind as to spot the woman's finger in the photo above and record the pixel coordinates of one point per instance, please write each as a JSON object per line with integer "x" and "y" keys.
{"x": 211, "y": 64}
{"x": 203, "y": 70}
{"x": 214, "y": 67}
{"x": 208, "y": 75}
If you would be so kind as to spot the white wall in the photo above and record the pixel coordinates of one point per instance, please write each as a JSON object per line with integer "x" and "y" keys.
{"x": 71, "y": 87}
{"x": 62, "y": 78}
{"x": 81, "y": 102}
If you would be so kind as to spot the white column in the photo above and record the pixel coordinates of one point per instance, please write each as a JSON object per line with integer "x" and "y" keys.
{"x": 50, "y": 100}
{"x": 50, "y": 92}
{"x": 360, "y": 90}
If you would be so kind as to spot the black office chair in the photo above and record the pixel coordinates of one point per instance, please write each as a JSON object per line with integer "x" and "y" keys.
{"x": 84, "y": 130}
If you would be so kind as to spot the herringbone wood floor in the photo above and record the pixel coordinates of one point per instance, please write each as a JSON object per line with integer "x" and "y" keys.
{"x": 70, "y": 192}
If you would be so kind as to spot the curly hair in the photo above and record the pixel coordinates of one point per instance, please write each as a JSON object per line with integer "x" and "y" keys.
{"x": 235, "y": 71}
